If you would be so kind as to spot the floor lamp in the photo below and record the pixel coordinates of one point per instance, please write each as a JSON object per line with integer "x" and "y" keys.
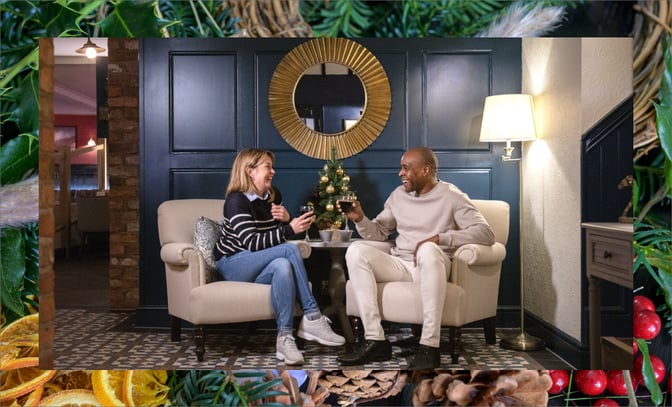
{"x": 508, "y": 118}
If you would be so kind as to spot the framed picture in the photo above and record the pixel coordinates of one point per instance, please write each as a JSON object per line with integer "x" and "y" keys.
{"x": 65, "y": 137}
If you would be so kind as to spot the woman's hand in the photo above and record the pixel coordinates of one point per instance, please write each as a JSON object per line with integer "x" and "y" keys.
{"x": 279, "y": 213}
{"x": 302, "y": 223}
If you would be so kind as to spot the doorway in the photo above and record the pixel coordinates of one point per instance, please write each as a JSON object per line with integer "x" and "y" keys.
{"x": 81, "y": 241}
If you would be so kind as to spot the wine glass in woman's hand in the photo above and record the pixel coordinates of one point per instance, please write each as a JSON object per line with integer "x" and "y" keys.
{"x": 306, "y": 209}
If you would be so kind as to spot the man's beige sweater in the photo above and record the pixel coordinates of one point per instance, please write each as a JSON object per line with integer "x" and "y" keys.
{"x": 445, "y": 211}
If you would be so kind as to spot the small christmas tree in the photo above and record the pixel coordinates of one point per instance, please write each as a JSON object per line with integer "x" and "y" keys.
{"x": 333, "y": 183}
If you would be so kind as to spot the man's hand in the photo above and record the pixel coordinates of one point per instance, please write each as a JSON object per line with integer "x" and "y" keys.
{"x": 356, "y": 214}
{"x": 433, "y": 239}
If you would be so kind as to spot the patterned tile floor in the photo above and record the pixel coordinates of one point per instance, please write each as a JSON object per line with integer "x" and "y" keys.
{"x": 87, "y": 339}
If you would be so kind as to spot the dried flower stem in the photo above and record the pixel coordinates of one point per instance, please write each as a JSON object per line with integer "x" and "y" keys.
{"x": 19, "y": 203}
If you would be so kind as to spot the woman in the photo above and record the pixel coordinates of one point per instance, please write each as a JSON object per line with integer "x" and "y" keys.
{"x": 253, "y": 247}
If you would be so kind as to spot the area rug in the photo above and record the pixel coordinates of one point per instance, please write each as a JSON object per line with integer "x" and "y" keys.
{"x": 110, "y": 340}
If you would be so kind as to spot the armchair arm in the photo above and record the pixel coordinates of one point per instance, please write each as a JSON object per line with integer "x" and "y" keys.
{"x": 304, "y": 247}
{"x": 176, "y": 253}
{"x": 480, "y": 255}
{"x": 185, "y": 270}
{"x": 477, "y": 269}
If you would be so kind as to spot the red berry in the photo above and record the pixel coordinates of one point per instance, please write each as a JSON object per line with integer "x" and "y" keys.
{"x": 591, "y": 382}
{"x": 635, "y": 348}
{"x": 658, "y": 365}
{"x": 645, "y": 325}
{"x": 604, "y": 402}
{"x": 616, "y": 383}
{"x": 560, "y": 380}
{"x": 642, "y": 303}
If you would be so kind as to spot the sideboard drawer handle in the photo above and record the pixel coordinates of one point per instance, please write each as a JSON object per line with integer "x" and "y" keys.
{"x": 606, "y": 255}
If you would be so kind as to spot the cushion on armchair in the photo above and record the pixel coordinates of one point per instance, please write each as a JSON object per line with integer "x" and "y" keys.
{"x": 206, "y": 234}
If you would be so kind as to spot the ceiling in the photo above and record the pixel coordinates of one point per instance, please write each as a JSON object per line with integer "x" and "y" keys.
{"x": 75, "y": 77}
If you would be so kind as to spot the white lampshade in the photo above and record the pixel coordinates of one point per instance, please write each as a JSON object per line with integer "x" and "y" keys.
{"x": 508, "y": 118}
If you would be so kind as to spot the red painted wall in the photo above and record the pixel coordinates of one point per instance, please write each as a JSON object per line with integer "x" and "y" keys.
{"x": 86, "y": 129}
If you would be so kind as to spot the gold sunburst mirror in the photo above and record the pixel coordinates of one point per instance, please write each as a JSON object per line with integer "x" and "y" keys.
{"x": 377, "y": 97}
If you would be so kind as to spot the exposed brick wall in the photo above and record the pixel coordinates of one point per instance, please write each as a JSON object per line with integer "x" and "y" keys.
{"x": 124, "y": 173}
{"x": 46, "y": 203}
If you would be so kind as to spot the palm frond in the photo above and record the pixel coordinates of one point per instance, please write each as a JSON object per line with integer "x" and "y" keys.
{"x": 342, "y": 18}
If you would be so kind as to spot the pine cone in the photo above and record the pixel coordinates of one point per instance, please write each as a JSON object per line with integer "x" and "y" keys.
{"x": 314, "y": 395}
{"x": 359, "y": 386}
{"x": 482, "y": 388}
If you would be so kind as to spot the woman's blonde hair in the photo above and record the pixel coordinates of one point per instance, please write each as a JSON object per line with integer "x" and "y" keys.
{"x": 247, "y": 158}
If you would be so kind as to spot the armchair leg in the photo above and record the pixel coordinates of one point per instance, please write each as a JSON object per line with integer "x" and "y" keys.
{"x": 489, "y": 325}
{"x": 175, "y": 328}
{"x": 199, "y": 337}
{"x": 455, "y": 334}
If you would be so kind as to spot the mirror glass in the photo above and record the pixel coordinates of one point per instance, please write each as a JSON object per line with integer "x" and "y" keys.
{"x": 329, "y": 98}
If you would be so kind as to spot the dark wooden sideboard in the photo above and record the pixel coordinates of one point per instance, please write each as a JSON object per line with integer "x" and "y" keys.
{"x": 608, "y": 258}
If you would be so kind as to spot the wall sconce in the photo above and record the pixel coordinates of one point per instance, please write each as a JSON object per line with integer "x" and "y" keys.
{"x": 508, "y": 118}
{"x": 89, "y": 49}
{"x": 91, "y": 142}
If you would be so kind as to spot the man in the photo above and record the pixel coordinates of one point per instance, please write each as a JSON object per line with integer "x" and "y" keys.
{"x": 432, "y": 219}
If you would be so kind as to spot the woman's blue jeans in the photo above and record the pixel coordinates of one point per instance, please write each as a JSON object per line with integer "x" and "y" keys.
{"x": 280, "y": 266}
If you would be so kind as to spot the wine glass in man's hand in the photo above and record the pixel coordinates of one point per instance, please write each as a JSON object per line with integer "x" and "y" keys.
{"x": 345, "y": 202}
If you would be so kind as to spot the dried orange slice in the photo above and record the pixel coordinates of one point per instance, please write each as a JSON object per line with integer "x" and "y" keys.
{"x": 72, "y": 379}
{"x": 51, "y": 388}
{"x": 7, "y": 354}
{"x": 23, "y": 329}
{"x": 74, "y": 397}
{"x": 33, "y": 398}
{"x": 22, "y": 377}
{"x": 22, "y": 334}
{"x": 68, "y": 380}
{"x": 108, "y": 387}
{"x": 145, "y": 387}
{"x": 22, "y": 362}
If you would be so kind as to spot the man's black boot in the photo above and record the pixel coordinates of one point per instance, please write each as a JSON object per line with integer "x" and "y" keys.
{"x": 370, "y": 351}
{"x": 426, "y": 358}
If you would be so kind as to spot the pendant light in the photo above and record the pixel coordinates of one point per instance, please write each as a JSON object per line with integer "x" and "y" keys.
{"x": 89, "y": 49}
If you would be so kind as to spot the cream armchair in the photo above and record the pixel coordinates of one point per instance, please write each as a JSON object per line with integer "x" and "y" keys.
{"x": 472, "y": 290}
{"x": 192, "y": 296}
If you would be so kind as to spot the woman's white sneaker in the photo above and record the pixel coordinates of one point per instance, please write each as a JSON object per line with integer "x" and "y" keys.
{"x": 319, "y": 330}
{"x": 286, "y": 350}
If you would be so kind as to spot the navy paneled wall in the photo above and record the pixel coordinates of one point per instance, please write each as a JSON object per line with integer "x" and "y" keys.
{"x": 606, "y": 159}
{"x": 203, "y": 100}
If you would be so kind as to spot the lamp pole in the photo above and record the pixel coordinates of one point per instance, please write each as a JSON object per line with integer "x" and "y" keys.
{"x": 522, "y": 341}
{"x": 510, "y": 117}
